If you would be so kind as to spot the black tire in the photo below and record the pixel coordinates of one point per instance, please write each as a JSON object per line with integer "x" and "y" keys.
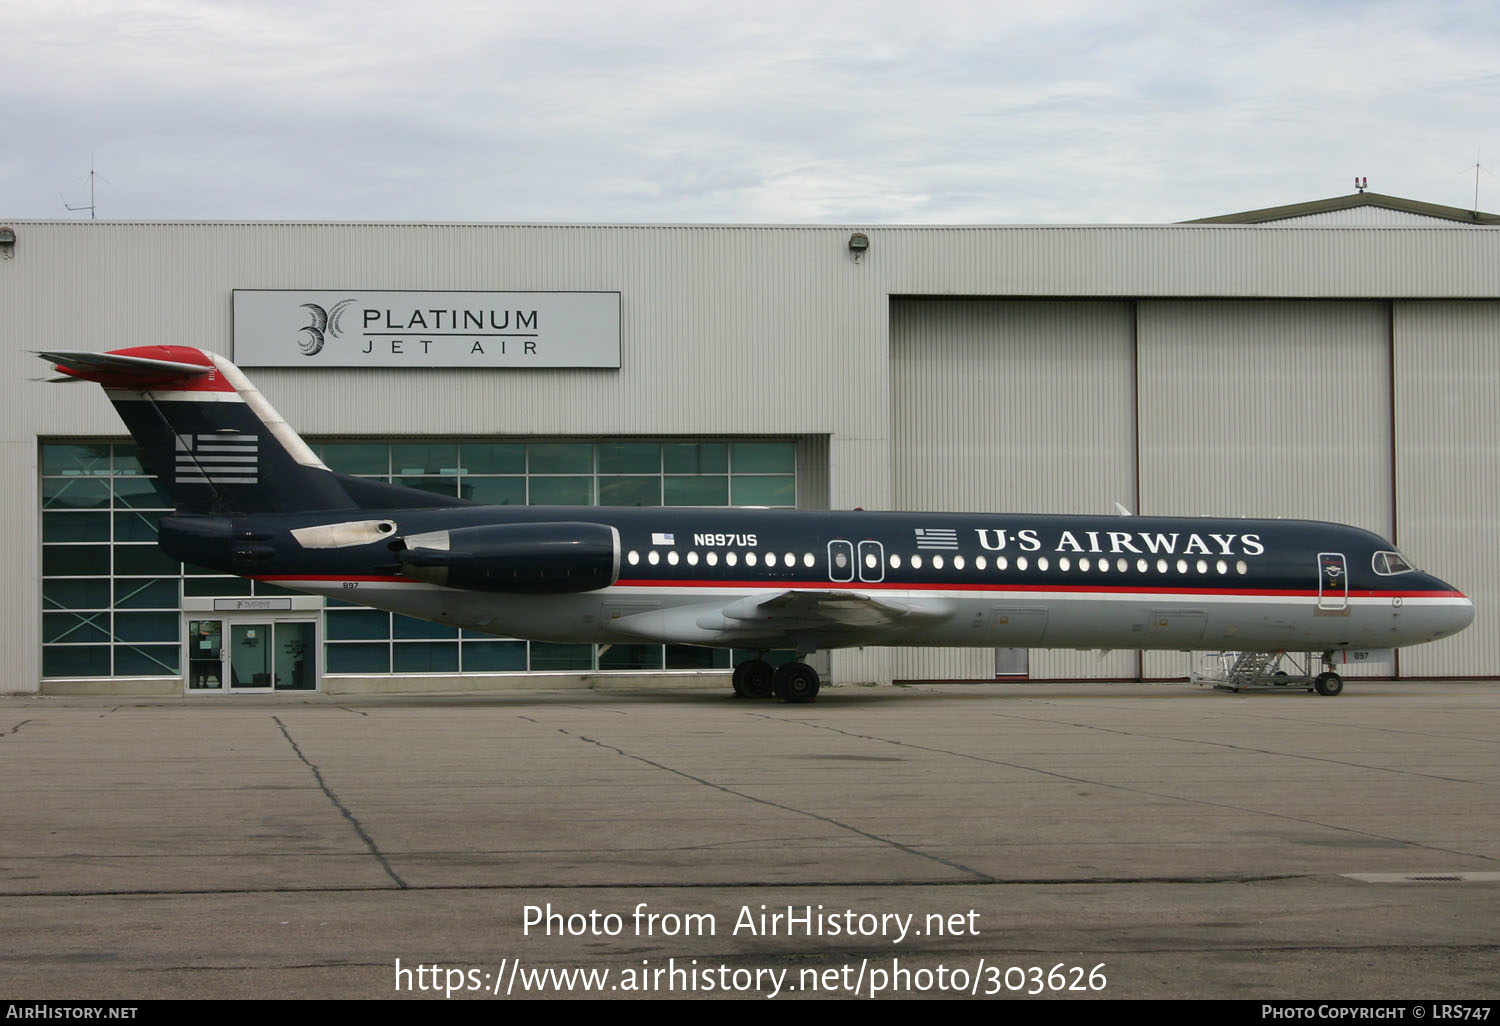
{"x": 797, "y": 683}
{"x": 1328, "y": 684}
{"x": 754, "y": 678}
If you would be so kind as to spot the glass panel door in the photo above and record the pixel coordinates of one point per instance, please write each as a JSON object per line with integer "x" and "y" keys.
{"x": 296, "y": 656}
{"x": 205, "y": 655}
{"x": 250, "y": 654}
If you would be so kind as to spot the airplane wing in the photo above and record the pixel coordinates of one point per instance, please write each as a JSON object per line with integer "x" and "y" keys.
{"x": 800, "y": 610}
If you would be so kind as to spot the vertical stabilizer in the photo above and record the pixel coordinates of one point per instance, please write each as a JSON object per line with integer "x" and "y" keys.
{"x": 214, "y": 441}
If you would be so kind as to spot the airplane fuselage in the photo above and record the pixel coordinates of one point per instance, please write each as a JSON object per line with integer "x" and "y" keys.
{"x": 696, "y": 576}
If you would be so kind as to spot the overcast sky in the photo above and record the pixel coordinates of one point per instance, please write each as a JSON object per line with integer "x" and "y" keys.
{"x": 909, "y": 112}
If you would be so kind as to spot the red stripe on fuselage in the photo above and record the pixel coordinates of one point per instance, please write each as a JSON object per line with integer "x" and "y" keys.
{"x": 767, "y": 585}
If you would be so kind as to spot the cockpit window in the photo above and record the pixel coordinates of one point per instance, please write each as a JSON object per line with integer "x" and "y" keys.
{"x": 1391, "y": 563}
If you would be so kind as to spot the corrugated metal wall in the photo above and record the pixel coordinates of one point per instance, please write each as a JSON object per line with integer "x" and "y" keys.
{"x": 1448, "y": 468}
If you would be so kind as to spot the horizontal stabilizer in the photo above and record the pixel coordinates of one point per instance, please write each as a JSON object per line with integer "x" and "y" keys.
{"x": 114, "y": 370}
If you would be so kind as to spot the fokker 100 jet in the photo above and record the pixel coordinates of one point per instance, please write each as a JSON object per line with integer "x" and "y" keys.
{"x": 253, "y": 499}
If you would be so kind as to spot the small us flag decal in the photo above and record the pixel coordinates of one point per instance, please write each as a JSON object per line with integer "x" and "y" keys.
{"x": 218, "y": 458}
{"x": 936, "y": 538}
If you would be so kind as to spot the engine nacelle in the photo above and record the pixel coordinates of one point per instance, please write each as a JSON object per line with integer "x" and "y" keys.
{"x": 536, "y": 559}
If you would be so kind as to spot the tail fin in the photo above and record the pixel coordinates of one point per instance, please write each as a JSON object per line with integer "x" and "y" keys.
{"x": 213, "y": 440}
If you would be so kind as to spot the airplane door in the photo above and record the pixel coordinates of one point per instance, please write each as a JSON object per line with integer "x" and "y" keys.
{"x": 1333, "y": 581}
{"x": 871, "y": 561}
{"x": 840, "y": 560}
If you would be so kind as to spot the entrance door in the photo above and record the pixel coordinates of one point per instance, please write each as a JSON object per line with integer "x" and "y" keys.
{"x": 257, "y": 655}
{"x": 1333, "y": 581}
{"x": 205, "y": 655}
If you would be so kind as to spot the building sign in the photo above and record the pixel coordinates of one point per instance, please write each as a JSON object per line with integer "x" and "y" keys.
{"x": 340, "y": 328}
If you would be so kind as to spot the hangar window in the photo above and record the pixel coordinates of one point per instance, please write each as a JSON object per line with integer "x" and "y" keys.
{"x": 112, "y": 602}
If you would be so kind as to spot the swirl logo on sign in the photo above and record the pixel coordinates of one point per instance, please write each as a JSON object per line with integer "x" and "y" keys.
{"x": 324, "y": 324}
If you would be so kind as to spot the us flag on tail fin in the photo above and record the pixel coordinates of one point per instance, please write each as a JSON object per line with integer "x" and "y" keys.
{"x": 218, "y": 458}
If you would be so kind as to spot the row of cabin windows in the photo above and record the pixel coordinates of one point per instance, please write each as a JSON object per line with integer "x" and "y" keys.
{"x": 1083, "y": 564}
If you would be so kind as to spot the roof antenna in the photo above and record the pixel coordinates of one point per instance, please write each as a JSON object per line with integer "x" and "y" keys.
{"x": 1477, "y": 167}
{"x": 92, "y": 176}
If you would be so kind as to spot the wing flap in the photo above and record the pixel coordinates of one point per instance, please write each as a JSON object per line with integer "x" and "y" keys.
{"x": 803, "y": 610}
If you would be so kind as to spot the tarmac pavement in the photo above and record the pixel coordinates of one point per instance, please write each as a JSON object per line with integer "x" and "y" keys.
{"x": 1084, "y": 841}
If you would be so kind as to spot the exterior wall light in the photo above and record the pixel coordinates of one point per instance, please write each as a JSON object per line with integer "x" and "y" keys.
{"x": 858, "y": 243}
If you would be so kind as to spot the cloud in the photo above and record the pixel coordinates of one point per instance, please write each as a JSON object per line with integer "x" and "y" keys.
{"x": 767, "y": 112}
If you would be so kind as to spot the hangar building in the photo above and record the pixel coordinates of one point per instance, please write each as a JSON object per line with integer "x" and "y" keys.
{"x": 1336, "y": 360}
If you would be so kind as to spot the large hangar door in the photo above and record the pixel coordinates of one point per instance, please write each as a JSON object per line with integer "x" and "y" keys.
{"x": 1448, "y": 468}
{"x": 1012, "y": 405}
{"x": 1265, "y": 409}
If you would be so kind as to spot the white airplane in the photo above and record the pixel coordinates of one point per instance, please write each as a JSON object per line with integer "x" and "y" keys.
{"x": 252, "y": 499}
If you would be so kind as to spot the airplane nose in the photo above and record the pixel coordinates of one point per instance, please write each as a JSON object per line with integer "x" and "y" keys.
{"x": 1457, "y": 611}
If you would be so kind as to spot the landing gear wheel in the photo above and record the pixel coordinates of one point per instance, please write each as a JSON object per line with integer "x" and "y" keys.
{"x": 1328, "y": 684}
{"x": 753, "y": 678}
{"x": 797, "y": 682}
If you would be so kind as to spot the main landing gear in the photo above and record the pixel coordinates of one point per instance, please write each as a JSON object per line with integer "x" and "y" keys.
{"x": 790, "y": 682}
